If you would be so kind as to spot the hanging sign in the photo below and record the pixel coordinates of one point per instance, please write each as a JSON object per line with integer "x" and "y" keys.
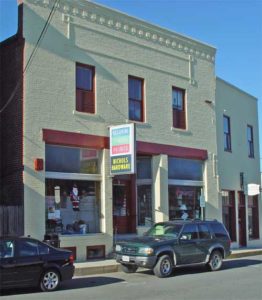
{"x": 122, "y": 149}
{"x": 253, "y": 189}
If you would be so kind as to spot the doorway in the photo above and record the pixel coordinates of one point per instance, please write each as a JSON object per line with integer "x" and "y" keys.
{"x": 124, "y": 218}
{"x": 242, "y": 219}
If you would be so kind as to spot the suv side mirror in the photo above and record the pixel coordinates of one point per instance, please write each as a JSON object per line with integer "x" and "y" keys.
{"x": 184, "y": 237}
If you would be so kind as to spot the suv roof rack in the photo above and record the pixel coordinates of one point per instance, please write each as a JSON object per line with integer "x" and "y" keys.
{"x": 193, "y": 220}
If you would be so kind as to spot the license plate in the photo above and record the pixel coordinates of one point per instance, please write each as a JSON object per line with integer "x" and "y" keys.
{"x": 125, "y": 258}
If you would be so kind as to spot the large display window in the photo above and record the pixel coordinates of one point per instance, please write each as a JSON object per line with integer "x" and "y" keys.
{"x": 71, "y": 160}
{"x": 185, "y": 169}
{"x": 72, "y": 190}
{"x": 72, "y": 206}
{"x": 184, "y": 202}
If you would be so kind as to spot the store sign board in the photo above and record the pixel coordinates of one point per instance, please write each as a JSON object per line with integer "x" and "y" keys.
{"x": 253, "y": 189}
{"x": 122, "y": 149}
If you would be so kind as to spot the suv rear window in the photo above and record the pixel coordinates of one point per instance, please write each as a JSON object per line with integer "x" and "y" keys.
{"x": 219, "y": 230}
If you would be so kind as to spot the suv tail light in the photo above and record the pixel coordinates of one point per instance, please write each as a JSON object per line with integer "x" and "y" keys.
{"x": 71, "y": 259}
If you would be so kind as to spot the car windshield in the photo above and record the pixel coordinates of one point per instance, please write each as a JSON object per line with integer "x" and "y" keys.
{"x": 169, "y": 230}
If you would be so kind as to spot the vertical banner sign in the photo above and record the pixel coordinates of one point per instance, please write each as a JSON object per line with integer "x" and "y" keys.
{"x": 122, "y": 149}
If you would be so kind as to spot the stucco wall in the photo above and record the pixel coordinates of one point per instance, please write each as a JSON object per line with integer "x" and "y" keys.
{"x": 242, "y": 110}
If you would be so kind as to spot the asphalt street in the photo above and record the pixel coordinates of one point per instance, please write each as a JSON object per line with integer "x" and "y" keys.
{"x": 239, "y": 279}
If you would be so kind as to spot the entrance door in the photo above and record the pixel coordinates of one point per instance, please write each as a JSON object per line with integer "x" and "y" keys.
{"x": 242, "y": 220}
{"x": 122, "y": 218}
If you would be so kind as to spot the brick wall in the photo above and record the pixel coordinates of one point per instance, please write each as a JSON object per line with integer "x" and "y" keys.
{"x": 11, "y": 120}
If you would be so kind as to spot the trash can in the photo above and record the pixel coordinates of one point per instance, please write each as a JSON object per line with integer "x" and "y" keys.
{"x": 52, "y": 239}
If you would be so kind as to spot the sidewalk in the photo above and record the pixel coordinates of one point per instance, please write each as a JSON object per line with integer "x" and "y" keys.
{"x": 110, "y": 265}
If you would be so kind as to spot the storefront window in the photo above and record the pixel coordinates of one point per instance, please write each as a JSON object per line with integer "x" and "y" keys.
{"x": 72, "y": 206}
{"x": 144, "y": 199}
{"x": 71, "y": 160}
{"x": 185, "y": 169}
{"x": 184, "y": 202}
{"x": 144, "y": 191}
{"x": 253, "y": 224}
{"x": 144, "y": 169}
{"x": 229, "y": 213}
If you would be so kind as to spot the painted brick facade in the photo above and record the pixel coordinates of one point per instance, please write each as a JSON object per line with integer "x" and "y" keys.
{"x": 117, "y": 46}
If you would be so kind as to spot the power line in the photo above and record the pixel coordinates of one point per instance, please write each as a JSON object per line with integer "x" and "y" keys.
{"x": 33, "y": 53}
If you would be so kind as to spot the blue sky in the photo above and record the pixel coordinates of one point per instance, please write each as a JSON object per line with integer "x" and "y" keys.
{"x": 234, "y": 27}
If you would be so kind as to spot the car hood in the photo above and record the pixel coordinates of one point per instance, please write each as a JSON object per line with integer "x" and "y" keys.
{"x": 146, "y": 240}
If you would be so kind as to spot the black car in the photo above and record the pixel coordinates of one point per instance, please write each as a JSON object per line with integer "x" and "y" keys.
{"x": 28, "y": 262}
{"x": 175, "y": 243}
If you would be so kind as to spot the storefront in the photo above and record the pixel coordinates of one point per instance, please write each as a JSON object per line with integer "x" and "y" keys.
{"x": 72, "y": 190}
{"x": 185, "y": 187}
{"x": 132, "y": 198}
{"x": 133, "y": 195}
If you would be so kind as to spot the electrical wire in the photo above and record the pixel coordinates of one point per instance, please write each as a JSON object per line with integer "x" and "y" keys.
{"x": 33, "y": 53}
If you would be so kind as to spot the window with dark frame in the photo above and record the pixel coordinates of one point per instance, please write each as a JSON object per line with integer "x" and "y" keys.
{"x": 227, "y": 134}
{"x": 136, "y": 99}
{"x": 250, "y": 141}
{"x": 85, "y": 88}
{"x": 179, "y": 112}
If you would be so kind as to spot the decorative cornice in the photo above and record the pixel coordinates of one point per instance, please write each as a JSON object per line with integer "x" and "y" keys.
{"x": 121, "y": 22}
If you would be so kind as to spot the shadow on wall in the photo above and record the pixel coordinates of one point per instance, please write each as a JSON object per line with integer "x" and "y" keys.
{"x": 58, "y": 44}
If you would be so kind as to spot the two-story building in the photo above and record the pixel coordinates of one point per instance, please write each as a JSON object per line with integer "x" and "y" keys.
{"x": 238, "y": 163}
{"x": 80, "y": 68}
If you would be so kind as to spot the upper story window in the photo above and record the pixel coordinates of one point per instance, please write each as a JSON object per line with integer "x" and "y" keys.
{"x": 136, "y": 98}
{"x": 227, "y": 134}
{"x": 179, "y": 112}
{"x": 85, "y": 88}
{"x": 250, "y": 141}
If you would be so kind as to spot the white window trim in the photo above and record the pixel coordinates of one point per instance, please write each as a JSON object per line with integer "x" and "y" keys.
{"x": 73, "y": 176}
{"x": 185, "y": 182}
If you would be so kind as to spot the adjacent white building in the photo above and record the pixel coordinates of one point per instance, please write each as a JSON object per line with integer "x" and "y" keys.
{"x": 238, "y": 162}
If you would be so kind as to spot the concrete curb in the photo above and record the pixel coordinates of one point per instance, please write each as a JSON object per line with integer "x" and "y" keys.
{"x": 110, "y": 266}
{"x": 245, "y": 253}
{"x": 83, "y": 271}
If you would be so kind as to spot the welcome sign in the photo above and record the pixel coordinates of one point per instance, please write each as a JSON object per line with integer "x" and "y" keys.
{"x": 122, "y": 149}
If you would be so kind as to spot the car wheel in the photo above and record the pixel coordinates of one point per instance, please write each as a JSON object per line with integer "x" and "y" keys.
{"x": 50, "y": 281}
{"x": 215, "y": 261}
{"x": 164, "y": 266}
{"x": 129, "y": 268}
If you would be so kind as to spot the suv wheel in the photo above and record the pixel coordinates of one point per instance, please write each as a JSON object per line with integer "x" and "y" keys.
{"x": 215, "y": 261}
{"x": 164, "y": 266}
{"x": 129, "y": 268}
{"x": 50, "y": 280}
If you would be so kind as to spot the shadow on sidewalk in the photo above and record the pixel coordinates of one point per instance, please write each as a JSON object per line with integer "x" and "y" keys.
{"x": 75, "y": 283}
{"x": 197, "y": 269}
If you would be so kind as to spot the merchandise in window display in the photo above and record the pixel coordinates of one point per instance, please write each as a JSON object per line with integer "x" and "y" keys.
{"x": 78, "y": 207}
{"x": 74, "y": 198}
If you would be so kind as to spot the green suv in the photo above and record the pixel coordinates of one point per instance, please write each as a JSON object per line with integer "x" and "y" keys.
{"x": 175, "y": 243}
